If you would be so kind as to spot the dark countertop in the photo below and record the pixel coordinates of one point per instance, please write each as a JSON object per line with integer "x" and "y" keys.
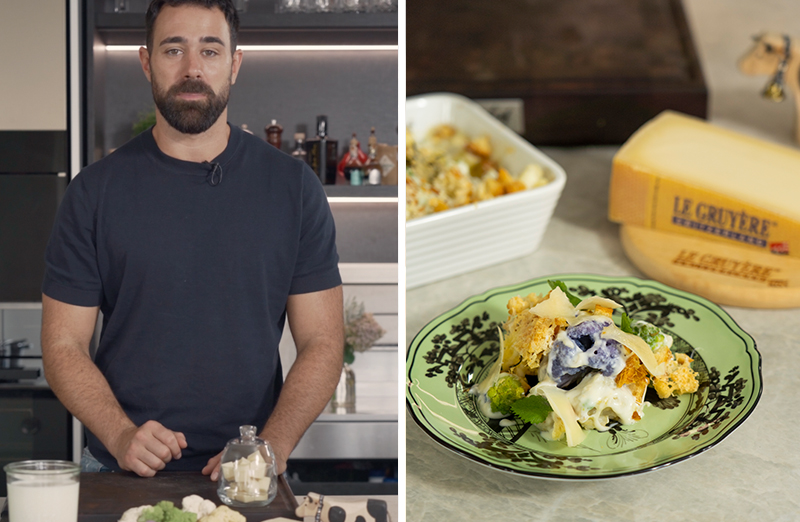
{"x": 105, "y": 496}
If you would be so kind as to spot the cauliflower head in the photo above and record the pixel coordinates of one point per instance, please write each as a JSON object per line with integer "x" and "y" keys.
{"x": 223, "y": 514}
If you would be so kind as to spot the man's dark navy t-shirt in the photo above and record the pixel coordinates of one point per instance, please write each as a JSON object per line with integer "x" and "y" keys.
{"x": 192, "y": 280}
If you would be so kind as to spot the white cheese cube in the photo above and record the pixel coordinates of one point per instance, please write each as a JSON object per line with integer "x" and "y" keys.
{"x": 241, "y": 471}
{"x": 258, "y": 465}
{"x": 263, "y": 483}
{"x": 227, "y": 470}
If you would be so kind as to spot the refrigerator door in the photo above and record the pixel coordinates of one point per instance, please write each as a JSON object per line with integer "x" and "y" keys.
{"x": 28, "y": 205}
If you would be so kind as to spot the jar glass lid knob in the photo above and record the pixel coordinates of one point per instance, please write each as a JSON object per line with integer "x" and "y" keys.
{"x": 248, "y": 433}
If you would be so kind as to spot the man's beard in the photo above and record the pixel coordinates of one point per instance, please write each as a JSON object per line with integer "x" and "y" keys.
{"x": 190, "y": 117}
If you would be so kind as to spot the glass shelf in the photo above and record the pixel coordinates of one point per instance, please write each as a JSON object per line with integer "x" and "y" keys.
{"x": 365, "y": 191}
{"x": 260, "y": 24}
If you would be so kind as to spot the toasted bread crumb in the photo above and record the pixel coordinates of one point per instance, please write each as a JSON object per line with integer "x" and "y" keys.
{"x": 679, "y": 377}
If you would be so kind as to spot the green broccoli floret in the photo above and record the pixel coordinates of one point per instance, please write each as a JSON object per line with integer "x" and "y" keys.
{"x": 165, "y": 511}
{"x": 155, "y": 513}
{"x": 650, "y": 333}
{"x": 506, "y": 391}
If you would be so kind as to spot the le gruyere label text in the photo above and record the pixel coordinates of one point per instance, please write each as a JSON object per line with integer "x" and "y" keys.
{"x": 731, "y": 223}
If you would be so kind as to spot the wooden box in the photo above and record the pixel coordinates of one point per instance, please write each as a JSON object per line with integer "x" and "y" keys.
{"x": 559, "y": 72}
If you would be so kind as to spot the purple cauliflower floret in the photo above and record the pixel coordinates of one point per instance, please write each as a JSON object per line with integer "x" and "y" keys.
{"x": 587, "y": 332}
{"x": 604, "y": 356}
{"x": 589, "y": 327}
{"x": 564, "y": 375}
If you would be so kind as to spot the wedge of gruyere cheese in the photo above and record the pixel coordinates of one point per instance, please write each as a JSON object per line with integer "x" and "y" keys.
{"x": 682, "y": 175}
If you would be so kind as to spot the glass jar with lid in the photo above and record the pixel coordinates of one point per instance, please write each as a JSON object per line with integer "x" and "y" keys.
{"x": 247, "y": 471}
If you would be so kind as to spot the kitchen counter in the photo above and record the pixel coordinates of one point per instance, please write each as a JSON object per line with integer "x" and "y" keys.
{"x": 105, "y": 496}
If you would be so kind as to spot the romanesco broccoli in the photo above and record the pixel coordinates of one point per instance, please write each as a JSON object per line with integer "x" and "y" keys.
{"x": 507, "y": 390}
{"x": 165, "y": 511}
{"x": 650, "y": 333}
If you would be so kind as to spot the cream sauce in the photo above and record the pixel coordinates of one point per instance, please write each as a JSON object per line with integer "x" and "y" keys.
{"x": 597, "y": 400}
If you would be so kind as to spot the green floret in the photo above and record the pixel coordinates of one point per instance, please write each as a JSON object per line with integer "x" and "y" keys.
{"x": 650, "y": 333}
{"x": 165, "y": 511}
{"x": 505, "y": 392}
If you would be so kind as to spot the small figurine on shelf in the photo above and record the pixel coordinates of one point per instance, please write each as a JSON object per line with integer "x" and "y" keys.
{"x": 352, "y": 165}
{"x": 299, "y": 151}
{"x": 274, "y": 132}
{"x": 372, "y": 171}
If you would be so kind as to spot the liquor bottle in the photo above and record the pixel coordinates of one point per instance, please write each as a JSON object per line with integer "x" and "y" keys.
{"x": 373, "y": 171}
{"x": 274, "y": 132}
{"x": 322, "y": 153}
{"x": 299, "y": 151}
{"x": 352, "y": 164}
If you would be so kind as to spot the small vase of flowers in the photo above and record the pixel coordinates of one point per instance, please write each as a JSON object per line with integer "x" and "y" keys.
{"x": 361, "y": 330}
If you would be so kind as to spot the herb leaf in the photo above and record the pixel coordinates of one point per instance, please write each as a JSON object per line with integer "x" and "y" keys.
{"x": 625, "y": 324}
{"x": 575, "y": 300}
{"x": 533, "y": 409}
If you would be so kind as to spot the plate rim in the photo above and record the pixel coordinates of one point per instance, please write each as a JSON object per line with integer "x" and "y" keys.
{"x": 756, "y": 365}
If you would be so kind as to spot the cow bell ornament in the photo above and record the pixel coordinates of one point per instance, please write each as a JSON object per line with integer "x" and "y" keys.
{"x": 776, "y": 56}
{"x": 319, "y": 508}
{"x": 774, "y": 89}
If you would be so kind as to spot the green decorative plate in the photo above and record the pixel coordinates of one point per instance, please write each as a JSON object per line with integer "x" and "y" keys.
{"x": 453, "y": 351}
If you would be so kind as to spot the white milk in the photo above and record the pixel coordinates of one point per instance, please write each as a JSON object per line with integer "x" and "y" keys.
{"x": 43, "y": 502}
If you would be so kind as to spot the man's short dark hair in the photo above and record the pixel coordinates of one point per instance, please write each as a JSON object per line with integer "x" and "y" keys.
{"x": 226, "y": 6}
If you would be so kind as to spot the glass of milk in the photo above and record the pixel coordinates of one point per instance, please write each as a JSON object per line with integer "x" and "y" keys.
{"x": 43, "y": 490}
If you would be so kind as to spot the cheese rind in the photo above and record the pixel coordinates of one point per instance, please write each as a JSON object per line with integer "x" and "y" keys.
{"x": 682, "y": 175}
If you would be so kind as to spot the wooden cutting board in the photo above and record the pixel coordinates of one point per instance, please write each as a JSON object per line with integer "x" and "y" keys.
{"x": 725, "y": 274}
{"x": 105, "y": 496}
{"x": 559, "y": 72}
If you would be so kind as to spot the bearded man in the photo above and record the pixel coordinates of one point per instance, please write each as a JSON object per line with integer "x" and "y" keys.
{"x": 196, "y": 241}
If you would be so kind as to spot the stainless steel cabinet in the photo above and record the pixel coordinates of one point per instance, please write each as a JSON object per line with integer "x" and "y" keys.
{"x": 33, "y": 425}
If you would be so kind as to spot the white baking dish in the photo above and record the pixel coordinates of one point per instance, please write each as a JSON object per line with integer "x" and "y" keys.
{"x": 463, "y": 239}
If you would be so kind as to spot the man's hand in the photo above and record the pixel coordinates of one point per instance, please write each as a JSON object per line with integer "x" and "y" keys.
{"x": 82, "y": 388}
{"x": 148, "y": 448}
{"x": 212, "y": 468}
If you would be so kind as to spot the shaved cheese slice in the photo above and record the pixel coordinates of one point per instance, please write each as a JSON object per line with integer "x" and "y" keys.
{"x": 591, "y": 302}
{"x": 494, "y": 371}
{"x": 638, "y": 346}
{"x": 563, "y": 408}
{"x": 556, "y": 306}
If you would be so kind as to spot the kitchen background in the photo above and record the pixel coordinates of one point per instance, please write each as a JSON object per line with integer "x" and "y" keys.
{"x": 76, "y": 95}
